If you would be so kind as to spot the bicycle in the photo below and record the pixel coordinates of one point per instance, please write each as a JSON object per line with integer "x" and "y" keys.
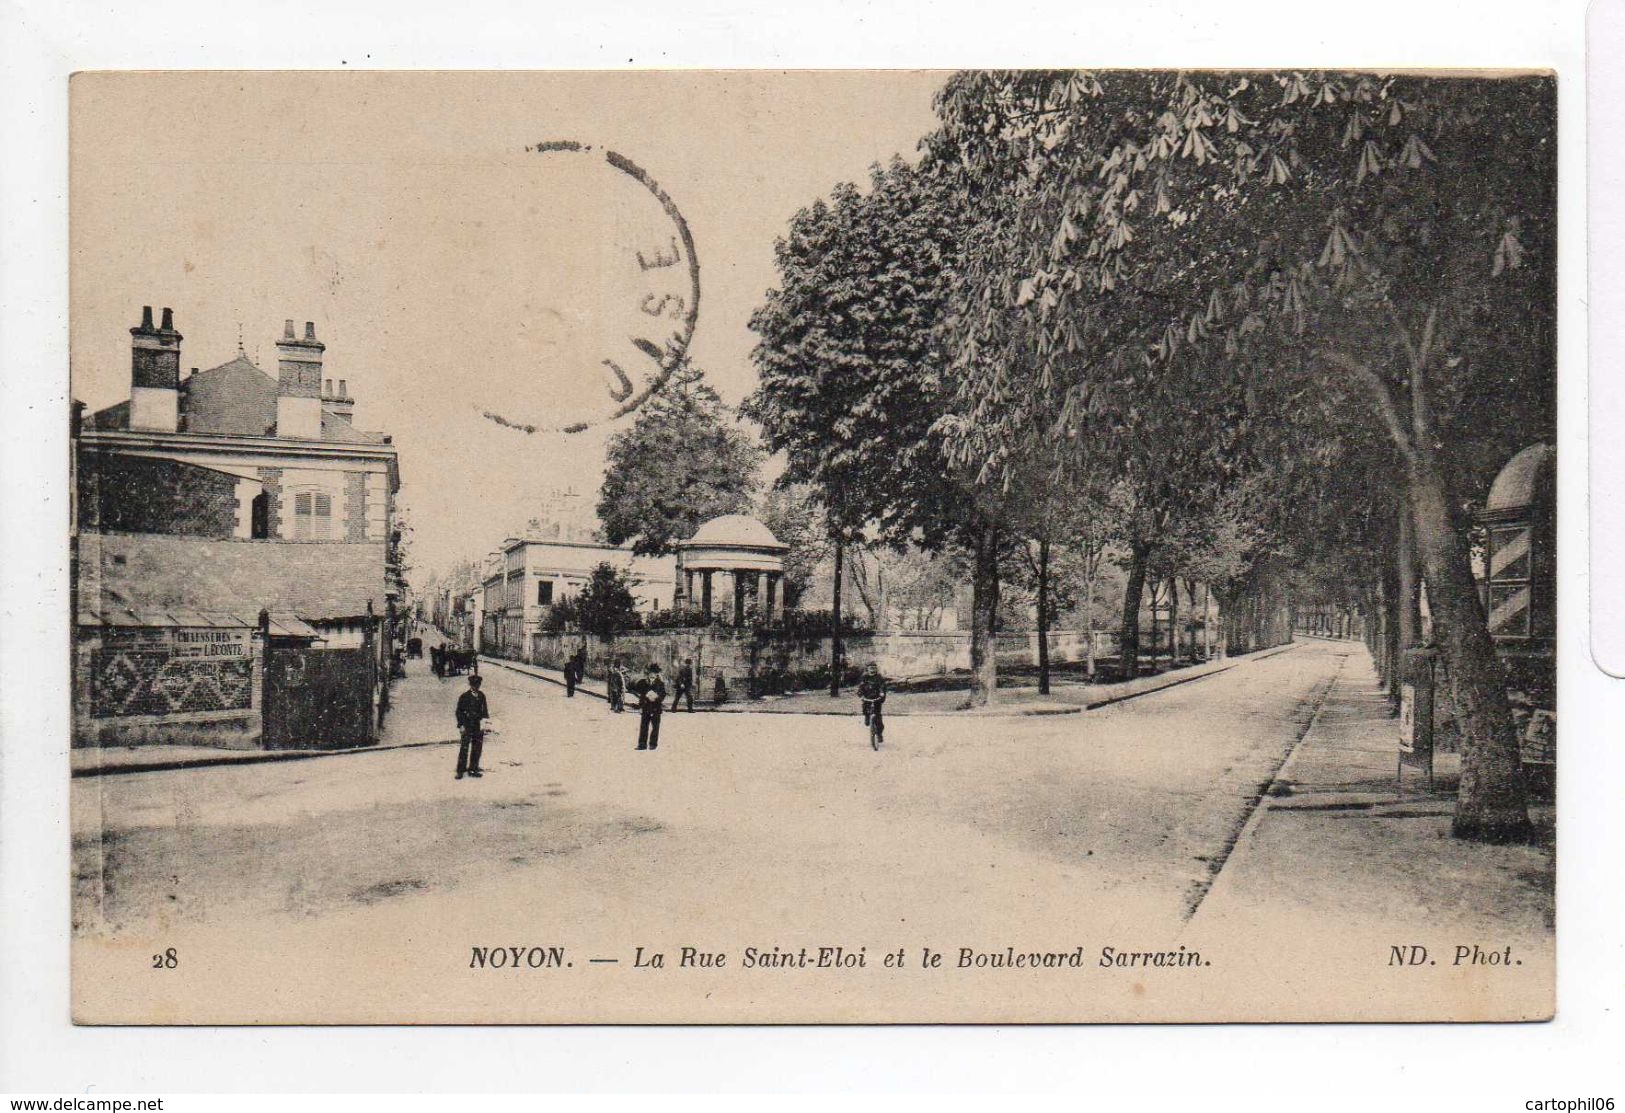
{"x": 871, "y": 714}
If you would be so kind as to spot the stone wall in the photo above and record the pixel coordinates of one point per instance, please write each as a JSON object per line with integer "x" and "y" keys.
{"x": 737, "y": 656}
{"x": 132, "y": 695}
{"x": 313, "y": 580}
{"x": 138, "y": 494}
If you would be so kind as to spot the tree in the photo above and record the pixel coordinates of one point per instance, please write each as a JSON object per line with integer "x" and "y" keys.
{"x": 796, "y": 518}
{"x": 682, "y": 462}
{"x": 1365, "y": 236}
{"x": 852, "y": 386}
{"x": 606, "y": 606}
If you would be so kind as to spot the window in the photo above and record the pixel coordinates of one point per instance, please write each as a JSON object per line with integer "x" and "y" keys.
{"x": 312, "y": 516}
{"x": 544, "y": 593}
{"x": 260, "y": 517}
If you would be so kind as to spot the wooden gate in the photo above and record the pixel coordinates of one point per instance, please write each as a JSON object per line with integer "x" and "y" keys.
{"x": 318, "y": 698}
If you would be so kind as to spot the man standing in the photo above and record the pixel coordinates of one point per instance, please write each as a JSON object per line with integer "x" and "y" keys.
{"x": 685, "y": 685}
{"x": 471, "y": 715}
{"x": 615, "y": 685}
{"x": 651, "y": 692}
{"x": 574, "y": 669}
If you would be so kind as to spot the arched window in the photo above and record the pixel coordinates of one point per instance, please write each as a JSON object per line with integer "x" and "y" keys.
{"x": 260, "y": 517}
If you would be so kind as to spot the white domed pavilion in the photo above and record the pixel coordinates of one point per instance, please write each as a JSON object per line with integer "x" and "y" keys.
{"x": 733, "y": 565}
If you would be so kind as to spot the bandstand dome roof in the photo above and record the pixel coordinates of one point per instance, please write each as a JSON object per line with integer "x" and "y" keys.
{"x": 1519, "y": 483}
{"x": 735, "y": 530}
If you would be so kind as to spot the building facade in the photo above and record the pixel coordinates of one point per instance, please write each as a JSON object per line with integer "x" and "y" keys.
{"x": 219, "y": 517}
{"x": 528, "y": 575}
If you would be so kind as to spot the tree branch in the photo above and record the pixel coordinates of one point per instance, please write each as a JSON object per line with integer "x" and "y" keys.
{"x": 1381, "y": 397}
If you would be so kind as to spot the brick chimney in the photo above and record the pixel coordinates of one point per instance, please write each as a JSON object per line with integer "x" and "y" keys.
{"x": 336, "y": 400}
{"x": 155, "y": 374}
{"x": 299, "y": 383}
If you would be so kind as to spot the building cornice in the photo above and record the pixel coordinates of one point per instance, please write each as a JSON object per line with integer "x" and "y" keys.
{"x": 232, "y": 443}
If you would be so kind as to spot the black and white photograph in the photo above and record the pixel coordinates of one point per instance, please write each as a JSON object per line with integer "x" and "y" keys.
{"x": 814, "y": 546}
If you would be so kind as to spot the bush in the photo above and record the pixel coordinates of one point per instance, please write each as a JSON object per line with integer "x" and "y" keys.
{"x": 684, "y": 618}
{"x": 817, "y": 624}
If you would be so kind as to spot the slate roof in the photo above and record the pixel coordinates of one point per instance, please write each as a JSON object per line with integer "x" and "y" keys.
{"x": 233, "y": 399}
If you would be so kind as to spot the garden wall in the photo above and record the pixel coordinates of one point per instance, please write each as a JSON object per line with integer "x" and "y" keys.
{"x": 766, "y": 662}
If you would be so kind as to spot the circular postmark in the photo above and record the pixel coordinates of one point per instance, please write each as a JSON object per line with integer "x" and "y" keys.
{"x": 661, "y": 315}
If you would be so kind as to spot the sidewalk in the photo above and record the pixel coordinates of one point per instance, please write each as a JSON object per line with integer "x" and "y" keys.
{"x": 1336, "y": 833}
{"x": 1066, "y": 697}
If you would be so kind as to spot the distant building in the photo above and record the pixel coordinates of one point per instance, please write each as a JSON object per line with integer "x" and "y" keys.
{"x": 528, "y": 575}
{"x": 203, "y": 502}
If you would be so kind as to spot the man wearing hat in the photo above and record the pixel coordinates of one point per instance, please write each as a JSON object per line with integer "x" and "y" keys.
{"x": 651, "y": 692}
{"x": 471, "y": 715}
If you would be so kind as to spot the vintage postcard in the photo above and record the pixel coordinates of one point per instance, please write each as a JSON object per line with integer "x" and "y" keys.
{"x": 815, "y": 546}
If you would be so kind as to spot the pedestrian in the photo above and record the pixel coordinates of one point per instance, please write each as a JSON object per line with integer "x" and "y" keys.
{"x": 574, "y": 670}
{"x": 472, "y": 711}
{"x": 437, "y": 661}
{"x": 651, "y": 693}
{"x": 615, "y": 685}
{"x": 685, "y": 685}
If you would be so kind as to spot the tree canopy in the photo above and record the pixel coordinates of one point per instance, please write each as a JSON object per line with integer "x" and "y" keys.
{"x": 683, "y": 461}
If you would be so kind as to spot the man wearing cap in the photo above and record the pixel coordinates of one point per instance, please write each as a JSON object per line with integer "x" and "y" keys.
{"x": 472, "y": 712}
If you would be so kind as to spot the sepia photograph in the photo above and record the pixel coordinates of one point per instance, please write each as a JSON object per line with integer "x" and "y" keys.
{"x": 813, "y": 546}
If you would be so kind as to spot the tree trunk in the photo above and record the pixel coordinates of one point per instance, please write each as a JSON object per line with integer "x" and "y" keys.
{"x": 1043, "y": 617}
{"x": 1129, "y": 638}
{"x": 1173, "y": 622}
{"x": 1490, "y": 803}
{"x": 1207, "y": 622}
{"x": 835, "y": 633}
{"x": 1089, "y": 615}
{"x": 984, "y": 618}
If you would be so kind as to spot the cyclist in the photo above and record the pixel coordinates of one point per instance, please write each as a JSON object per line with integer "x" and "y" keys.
{"x": 872, "y": 689}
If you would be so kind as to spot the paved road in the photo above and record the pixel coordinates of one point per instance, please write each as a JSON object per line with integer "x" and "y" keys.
{"x": 1065, "y": 830}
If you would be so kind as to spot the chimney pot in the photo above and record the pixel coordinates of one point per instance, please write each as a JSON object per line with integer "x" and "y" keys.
{"x": 344, "y": 389}
{"x": 146, "y": 317}
{"x": 169, "y": 319}
{"x": 310, "y": 330}
{"x": 287, "y": 329}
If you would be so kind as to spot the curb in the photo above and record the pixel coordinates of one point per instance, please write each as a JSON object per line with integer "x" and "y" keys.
{"x": 1266, "y": 801}
{"x": 257, "y": 759}
{"x": 754, "y": 707}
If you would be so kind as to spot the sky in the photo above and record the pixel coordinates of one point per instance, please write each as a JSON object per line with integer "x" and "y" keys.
{"x": 450, "y": 271}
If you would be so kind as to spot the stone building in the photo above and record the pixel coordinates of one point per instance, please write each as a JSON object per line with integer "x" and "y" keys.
{"x": 529, "y": 574}
{"x": 200, "y": 503}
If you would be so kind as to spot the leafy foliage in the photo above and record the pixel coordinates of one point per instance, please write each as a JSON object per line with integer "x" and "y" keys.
{"x": 604, "y": 607}
{"x": 794, "y": 515}
{"x": 682, "y": 462}
{"x": 849, "y": 360}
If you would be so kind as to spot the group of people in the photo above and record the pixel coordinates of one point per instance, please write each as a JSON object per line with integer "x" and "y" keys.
{"x": 446, "y": 660}
{"x": 473, "y": 711}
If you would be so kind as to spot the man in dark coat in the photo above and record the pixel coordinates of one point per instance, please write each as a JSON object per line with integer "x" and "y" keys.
{"x": 651, "y": 693}
{"x": 615, "y": 685}
{"x": 574, "y": 670}
{"x": 685, "y": 684}
{"x": 472, "y": 712}
{"x": 872, "y": 691}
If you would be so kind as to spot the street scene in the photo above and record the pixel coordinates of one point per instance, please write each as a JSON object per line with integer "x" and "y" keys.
{"x": 1090, "y": 555}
